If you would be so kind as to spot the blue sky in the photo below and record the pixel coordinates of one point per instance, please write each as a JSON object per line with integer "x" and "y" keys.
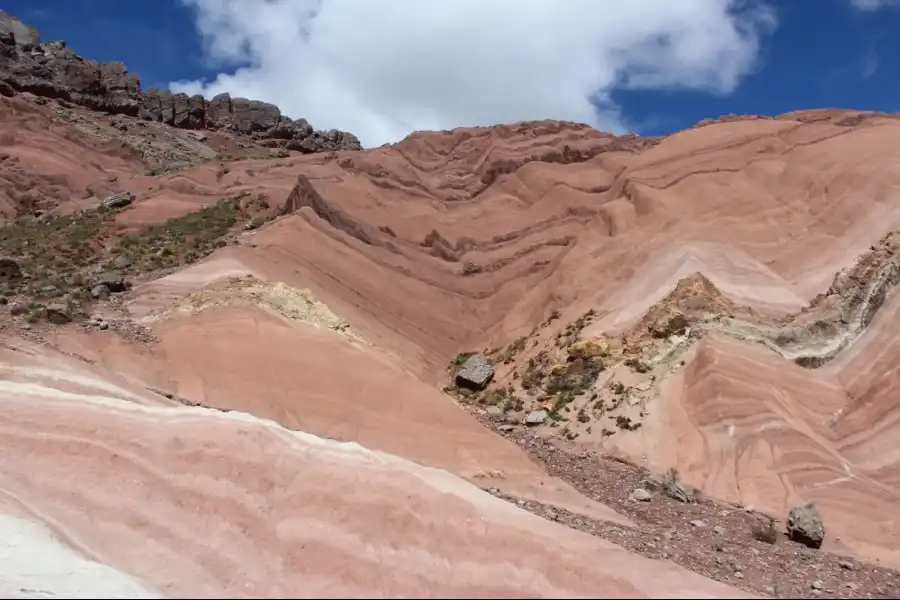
{"x": 822, "y": 53}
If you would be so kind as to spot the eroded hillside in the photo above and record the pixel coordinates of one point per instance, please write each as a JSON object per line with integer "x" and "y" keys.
{"x": 246, "y": 345}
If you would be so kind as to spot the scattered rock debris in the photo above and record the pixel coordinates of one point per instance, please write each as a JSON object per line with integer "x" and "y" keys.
{"x": 714, "y": 539}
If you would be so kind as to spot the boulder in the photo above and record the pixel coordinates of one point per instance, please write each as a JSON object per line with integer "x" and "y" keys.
{"x": 59, "y": 313}
{"x": 805, "y": 525}
{"x": 495, "y": 412}
{"x": 113, "y": 281}
{"x": 640, "y": 495}
{"x": 536, "y": 417}
{"x": 475, "y": 373}
{"x": 100, "y": 292}
{"x": 119, "y": 200}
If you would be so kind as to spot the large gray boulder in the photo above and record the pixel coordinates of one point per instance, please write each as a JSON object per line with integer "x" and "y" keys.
{"x": 475, "y": 373}
{"x": 113, "y": 281}
{"x": 805, "y": 525}
{"x": 118, "y": 200}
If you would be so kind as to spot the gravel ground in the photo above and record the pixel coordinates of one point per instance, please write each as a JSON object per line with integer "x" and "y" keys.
{"x": 712, "y": 538}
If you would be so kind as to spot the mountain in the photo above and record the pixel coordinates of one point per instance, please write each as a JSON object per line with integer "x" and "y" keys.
{"x": 53, "y": 70}
{"x": 528, "y": 360}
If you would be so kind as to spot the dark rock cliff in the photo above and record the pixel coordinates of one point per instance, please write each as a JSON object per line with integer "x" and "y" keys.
{"x": 53, "y": 70}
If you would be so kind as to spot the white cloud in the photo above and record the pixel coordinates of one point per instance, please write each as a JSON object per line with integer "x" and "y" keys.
{"x": 383, "y": 69}
{"x": 869, "y": 5}
{"x": 870, "y": 62}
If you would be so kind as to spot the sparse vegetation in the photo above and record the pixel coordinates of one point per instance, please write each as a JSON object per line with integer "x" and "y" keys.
{"x": 765, "y": 531}
{"x": 57, "y": 256}
{"x": 57, "y": 243}
{"x": 533, "y": 376}
{"x": 572, "y": 333}
{"x": 460, "y": 359}
{"x": 173, "y": 167}
{"x": 638, "y": 365}
{"x": 513, "y": 404}
{"x": 553, "y": 316}
{"x": 623, "y": 422}
{"x": 495, "y": 397}
{"x": 560, "y": 403}
{"x": 186, "y": 239}
{"x": 672, "y": 487}
{"x": 508, "y": 355}
{"x": 577, "y": 377}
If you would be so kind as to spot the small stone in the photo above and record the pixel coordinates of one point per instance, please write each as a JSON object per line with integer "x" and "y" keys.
{"x": 103, "y": 325}
{"x": 58, "y": 314}
{"x": 698, "y": 523}
{"x": 536, "y": 417}
{"x": 505, "y": 428}
{"x": 100, "y": 292}
{"x": 122, "y": 262}
{"x": 514, "y": 417}
{"x": 738, "y": 575}
{"x": 718, "y": 530}
{"x": 640, "y": 495}
{"x": 846, "y": 564}
{"x": 816, "y": 585}
{"x": 493, "y": 411}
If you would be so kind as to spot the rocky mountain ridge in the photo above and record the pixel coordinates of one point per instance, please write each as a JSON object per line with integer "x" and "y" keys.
{"x": 53, "y": 70}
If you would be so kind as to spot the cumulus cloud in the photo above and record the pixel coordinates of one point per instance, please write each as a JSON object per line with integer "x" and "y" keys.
{"x": 383, "y": 69}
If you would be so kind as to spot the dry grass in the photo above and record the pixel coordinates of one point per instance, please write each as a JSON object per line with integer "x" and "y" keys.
{"x": 59, "y": 254}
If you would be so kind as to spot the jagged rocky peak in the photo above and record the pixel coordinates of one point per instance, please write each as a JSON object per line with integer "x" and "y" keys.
{"x": 24, "y": 34}
{"x": 53, "y": 70}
